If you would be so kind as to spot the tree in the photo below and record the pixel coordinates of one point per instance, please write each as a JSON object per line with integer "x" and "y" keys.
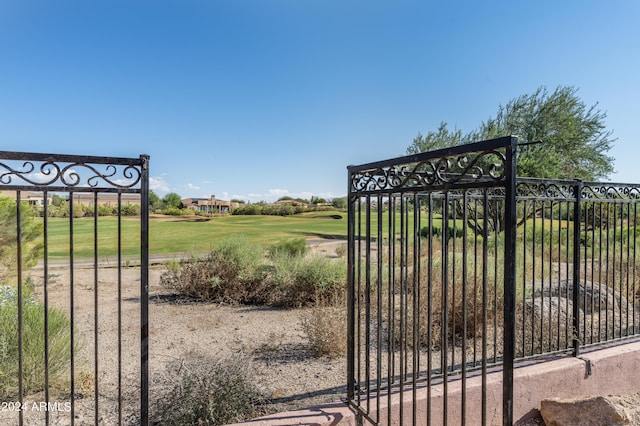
{"x": 574, "y": 137}
{"x": 31, "y": 230}
{"x": 154, "y": 201}
{"x": 339, "y": 203}
{"x": 172, "y": 200}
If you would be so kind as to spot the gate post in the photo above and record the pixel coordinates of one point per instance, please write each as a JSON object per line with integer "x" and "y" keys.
{"x": 509, "y": 282}
{"x": 144, "y": 291}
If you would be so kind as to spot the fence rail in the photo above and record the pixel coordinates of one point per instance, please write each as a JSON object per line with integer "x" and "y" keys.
{"x": 458, "y": 268}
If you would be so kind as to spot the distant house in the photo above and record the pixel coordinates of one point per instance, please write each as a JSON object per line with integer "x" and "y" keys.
{"x": 33, "y": 198}
{"x": 105, "y": 199}
{"x": 210, "y": 205}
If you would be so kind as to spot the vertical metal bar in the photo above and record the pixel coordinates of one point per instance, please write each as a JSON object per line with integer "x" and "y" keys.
{"x": 45, "y": 220}
{"x": 444, "y": 354}
{"x": 20, "y": 303}
{"x": 96, "y": 324}
{"x": 535, "y": 274}
{"x": 577, "y": 219}
{"x": 403, "y": 338}
{"x": 496, "y": 257}
{"x": 485, "y": 317}
{"x": 600, "y": 267}
{"x": 144, "y": 291}
{"x": 475, "y": 282}
{"x": 465, "y": 229}
{"x": 607, "y": 283}
{"x": 550, "y": 322}
{"x": 119, "y": 308}
{"x": 71, "y": 313}
{"x": 358, "y": 301}
{"x": 614, "y": 269}
{"x": 524, "y": 276}
{"x": 542, "y": 276}
{"x": 391, "y": 364}
{"x": 509, "y": 283}
{"x": 416, "y": 302}
{"x": 628, "y": 263}
{"x": 367, "y": 296}
{"x": 635, "y": 240}
{"x": 350, "y": 291}
{"x": 380, "y": 316}
{"x": 429, "y": 307}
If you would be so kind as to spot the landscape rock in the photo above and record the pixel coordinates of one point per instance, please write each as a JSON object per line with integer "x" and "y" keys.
{"x": 596, "y": 411}
{"x": 593, "y": 297}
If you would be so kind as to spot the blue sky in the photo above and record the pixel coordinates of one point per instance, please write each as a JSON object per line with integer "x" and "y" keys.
{"x": 256, "y": 99}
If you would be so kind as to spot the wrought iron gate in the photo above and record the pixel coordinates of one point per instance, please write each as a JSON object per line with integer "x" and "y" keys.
{"x": 65, "y": 362}
{"x": 431, "y": 280}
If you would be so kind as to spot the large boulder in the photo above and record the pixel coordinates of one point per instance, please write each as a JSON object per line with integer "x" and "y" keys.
{"x": 596, "y": 411}
{"x": 593, "y": 297}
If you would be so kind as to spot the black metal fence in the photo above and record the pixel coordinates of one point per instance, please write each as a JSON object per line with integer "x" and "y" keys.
{"x": 457, "y": 268}
{"x": 75, "y": 335}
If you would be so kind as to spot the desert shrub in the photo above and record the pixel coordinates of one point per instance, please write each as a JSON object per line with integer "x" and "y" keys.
{"x": 341, "y": 250}
{"x": 174, "y": 211}
{"x": 231, "y": 273}
{"x": 292, "y": 247}
{"x": 130, "y": 210}
{"x": 203, "y": 391}
{"x": 310, "y": 280}
{"x": 32, "y": 344}
{"x": 326, "y": 330}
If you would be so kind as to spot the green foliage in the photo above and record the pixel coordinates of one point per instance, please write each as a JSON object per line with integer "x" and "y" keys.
{"x": 231, "y": 273}
{"x": 575, "y": 138}
{"x": 207, "y": 392}
{"x": 131, "y": 210}
{"x": 172, "y": 200}
{"x": 237, "y": 272}
{"x": 308, "y": 281}
{"x": 270, "y": 210}
{"x": 174, "y": 211}
{"x": 340, "y": 203}
{"x": 33, "y": 344}
{"x": 291, "y": 247}
{"x": 31, "y": 232}
{"x": 155, "y": 203}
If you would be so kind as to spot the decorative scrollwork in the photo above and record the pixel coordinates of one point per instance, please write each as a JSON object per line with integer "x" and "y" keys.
{"x": 470, "y": 167}
{"x": 611, "y": 191}
{"x": 75, "y": 174}
{"x": 545, "y": 189}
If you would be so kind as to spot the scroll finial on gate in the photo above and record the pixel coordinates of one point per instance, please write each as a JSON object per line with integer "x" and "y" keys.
{"x": 73, "y": 174}
{"x": 470, "y": 167}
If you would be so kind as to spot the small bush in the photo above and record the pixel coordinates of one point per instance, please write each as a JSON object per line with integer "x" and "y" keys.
{"x": 326, "y": 330}
{"x": 207, "y": 392}
{"x": 33, "y": 344}
{"x": 292, "y": 247}
{"x": 231, "y": 273}
{"x": 307, "y": 281}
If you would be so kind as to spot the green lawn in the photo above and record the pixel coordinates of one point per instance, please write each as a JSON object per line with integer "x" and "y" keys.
{"x": 187, "y": 234}
{"x": 196, "y": 234}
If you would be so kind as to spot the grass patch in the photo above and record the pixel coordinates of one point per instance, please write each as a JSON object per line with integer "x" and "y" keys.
{"x": 180, "y": 235}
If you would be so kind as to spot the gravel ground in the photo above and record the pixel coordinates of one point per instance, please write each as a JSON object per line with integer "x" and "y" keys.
{"x": 270, "y": 342}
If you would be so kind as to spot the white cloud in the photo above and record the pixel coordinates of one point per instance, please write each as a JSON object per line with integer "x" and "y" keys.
{"x": 158, "y": 184}
{"x": 192, "y": 186}
{"x": 278, "y": 192}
